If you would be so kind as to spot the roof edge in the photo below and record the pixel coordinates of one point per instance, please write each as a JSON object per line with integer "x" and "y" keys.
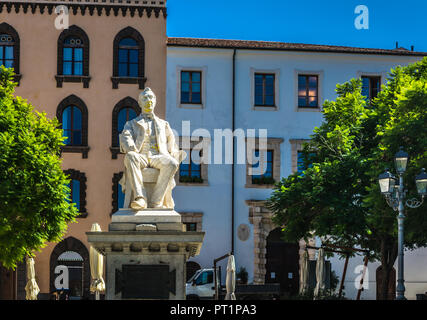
{"x": 283, "y": 46}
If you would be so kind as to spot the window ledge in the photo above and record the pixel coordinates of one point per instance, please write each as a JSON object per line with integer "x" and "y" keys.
{"x": 260, "y": 186}
{"x": 71, "y": 78}
{"x": 191, "y": 105}
{"x": 128, "y": 80}
{"x": 193, "y": 184}
{"x": 265, "y": 108}
{"x": 82, "y": 215}
{"x": 308, "y": 109}
{"x": 76, "y": 149}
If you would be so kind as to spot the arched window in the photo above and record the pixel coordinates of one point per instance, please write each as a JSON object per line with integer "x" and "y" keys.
{"x": 9, "y": 48}
{"x": 77, "y": 186}
{"x": 74, "y": 255}
{"x": 129, "y": 58}
{"x": 73, "y": 115}
{"x": 73, "y": 57}
{"x": 125, "y": 110}
{"x": 74, "y": 263}
{"x": 72, "y": 125}
{"x": 74, "y": 186}
{"x": 118, "y": 195}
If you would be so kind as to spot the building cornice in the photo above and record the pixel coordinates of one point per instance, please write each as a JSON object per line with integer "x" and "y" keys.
{"x": 284, "y": 46}
{"x": 90, "y": 7}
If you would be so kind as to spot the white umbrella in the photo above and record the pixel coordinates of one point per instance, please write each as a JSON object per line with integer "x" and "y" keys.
{"x": 304, "y": 274}
{"x": 230, "y": 282}
{"x": 31, "y": 289}
{"x": 320, "y": 273}
{"x": 96, "y": 267}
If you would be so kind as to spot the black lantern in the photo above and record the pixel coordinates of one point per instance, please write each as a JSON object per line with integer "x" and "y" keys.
{"x": 421, "y": 182}
{"x": 387, "y": 182}
{"x": 401, "y": 160}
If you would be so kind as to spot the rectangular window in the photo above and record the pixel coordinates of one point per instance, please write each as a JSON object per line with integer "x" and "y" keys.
{"x": 264, "y": 168}
{"x": 371, "y": 85}
{"x": 264, "y": 89}
{"x": 6, "y": 56}
{"x": 190, "y": 226}
{"x": 308, "y": 91}
{"x": 191, "y": 87}
{"x": 301, "y": 161}
{"x": 189, "y": 171}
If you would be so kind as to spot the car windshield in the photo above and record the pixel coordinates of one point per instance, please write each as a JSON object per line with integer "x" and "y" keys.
{"x": 194, "y": 276}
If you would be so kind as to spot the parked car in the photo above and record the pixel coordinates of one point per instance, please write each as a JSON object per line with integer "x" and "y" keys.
{"x": 202, "y": 286}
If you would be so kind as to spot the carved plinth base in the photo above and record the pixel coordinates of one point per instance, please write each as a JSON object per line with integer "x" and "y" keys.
{"x": 146, "y": 252}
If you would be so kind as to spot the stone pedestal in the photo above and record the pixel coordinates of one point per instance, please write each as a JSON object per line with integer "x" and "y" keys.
{"x": 145, "y": 253}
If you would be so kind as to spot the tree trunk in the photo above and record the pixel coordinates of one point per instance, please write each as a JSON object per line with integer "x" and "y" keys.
{"x": 388, "y": 257}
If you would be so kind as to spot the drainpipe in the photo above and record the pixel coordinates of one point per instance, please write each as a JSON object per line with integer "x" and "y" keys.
{"x": 233, "y": 164}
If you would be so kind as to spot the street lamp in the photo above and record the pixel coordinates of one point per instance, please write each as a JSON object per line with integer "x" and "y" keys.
{"x": 395, "y": 196}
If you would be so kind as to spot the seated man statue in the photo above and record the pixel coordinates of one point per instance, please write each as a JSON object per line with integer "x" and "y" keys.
{"x": 149, "y": 142}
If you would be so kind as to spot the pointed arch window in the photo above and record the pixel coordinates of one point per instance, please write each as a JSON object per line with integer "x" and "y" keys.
{"x": 73, "y": 115}
{"x": 73, "y": 57}
{"x": 125, "y": 110}
{"x": 9, "y": 49}
{"x": 128, "y": 58}
{"x": 77, "y": 187}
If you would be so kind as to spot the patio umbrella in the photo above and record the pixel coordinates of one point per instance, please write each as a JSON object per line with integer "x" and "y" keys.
{"x": 230, "y": 282}
{"x": 31, "y": 289}
{"x": 304, "y": 274}
{"x": 320, "y": 273}
{"x": 96, "y": 267}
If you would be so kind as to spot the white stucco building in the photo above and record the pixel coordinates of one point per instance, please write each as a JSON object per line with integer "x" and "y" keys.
{"x": 228, "y": 84}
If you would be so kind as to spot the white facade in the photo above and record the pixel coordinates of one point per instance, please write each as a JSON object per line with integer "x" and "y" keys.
{"x": 286, "y": 121}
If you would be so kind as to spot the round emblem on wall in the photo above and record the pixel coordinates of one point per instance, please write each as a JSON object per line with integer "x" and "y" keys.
{"x": 243, "y": 232}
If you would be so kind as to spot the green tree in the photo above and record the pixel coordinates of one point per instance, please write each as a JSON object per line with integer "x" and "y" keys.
{"x": 34, "y": 197}
{"x": 338, "y": 198}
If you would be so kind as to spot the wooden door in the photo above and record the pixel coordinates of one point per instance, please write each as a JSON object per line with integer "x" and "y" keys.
{"x": 282, "y": 264}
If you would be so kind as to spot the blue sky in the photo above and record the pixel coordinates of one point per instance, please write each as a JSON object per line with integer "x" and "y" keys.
{"x": 303, "y": 21}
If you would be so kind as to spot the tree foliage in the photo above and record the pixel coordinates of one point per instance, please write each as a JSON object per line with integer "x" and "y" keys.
{"x": 34, "y": 197}
{"x": 338, "y": 198}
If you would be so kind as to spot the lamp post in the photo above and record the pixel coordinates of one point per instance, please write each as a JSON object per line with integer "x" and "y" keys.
{"x": 395, "y": 196}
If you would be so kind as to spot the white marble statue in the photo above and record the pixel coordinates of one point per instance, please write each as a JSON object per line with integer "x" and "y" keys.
{"x": 148, "y": 142}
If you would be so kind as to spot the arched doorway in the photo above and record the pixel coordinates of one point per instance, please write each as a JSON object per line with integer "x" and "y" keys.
{"x": 73, "y": 254}
{"x": 282, "y": 263}
{"x": 191, "y": 267}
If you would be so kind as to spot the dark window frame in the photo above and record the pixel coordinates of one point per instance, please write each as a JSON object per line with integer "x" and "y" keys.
{"x": 191, "y": 72}
{"x": 187, "y": 224}
{"x": 307, "y": 88}
{"x": 190, "y": 168}
{"x": 60, "y": 77}
{"x": 81, "y": 177}
{"x": 264, "y": 85}
{"x": 127, "y": 102}
{"x": 115, "y": 192}
{"x": 129, "y": 32}
{"x": 371, "y": 88}
{"x": 266, "y": 164}
{"x": 73, "y": 100}
{"x": 9, "y": 30}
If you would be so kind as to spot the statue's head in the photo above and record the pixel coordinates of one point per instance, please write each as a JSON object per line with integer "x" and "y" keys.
{"x": 147, "y": 101}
